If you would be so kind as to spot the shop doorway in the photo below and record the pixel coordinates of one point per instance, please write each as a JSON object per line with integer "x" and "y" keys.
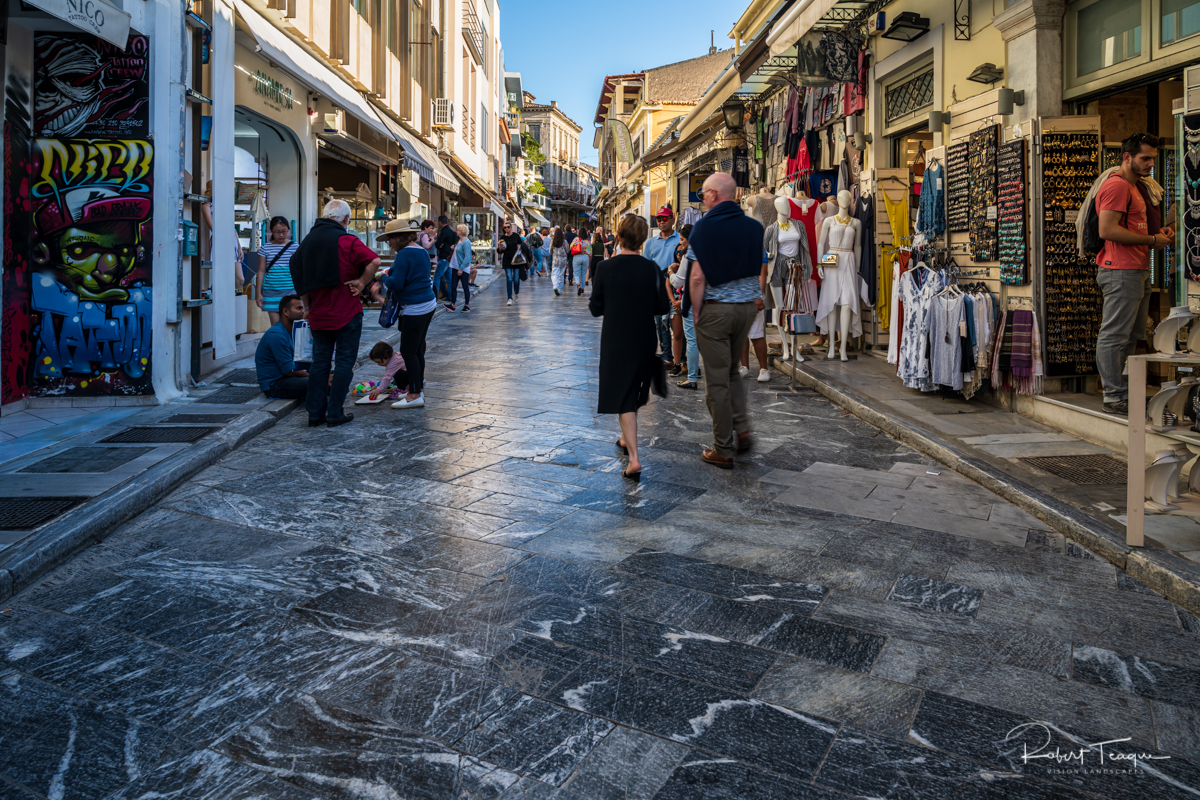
{"x": 269, "y": 159}
{"x": 910, "y": 150}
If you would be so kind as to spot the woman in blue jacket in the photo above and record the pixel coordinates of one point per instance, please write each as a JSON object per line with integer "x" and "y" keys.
{"x": 410, "y": 284}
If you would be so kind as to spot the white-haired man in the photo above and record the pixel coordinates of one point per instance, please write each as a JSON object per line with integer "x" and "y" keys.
{"x": 329, "y": 270}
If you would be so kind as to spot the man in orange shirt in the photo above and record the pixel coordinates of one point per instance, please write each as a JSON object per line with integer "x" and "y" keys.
{"x": 1124, "y": 266}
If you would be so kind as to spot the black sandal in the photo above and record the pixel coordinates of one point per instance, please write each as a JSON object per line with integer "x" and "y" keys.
{"x": 622, "y": 447}
{"x": 633, "y": 476}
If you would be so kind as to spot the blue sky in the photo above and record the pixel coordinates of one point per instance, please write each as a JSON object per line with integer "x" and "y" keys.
{"x": 564, "y": 50}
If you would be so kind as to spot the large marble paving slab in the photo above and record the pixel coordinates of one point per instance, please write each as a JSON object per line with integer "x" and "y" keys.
{"x": 1141, "y": 676}
{"x": 628, "y": 765}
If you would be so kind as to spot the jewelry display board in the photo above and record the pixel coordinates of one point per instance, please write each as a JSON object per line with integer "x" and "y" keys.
{"x": 1190, "y": 163}
{"x": 1070, "y": 164}
{"x": 981, "y": 158}
{"x": 958, "y": 208}
{"x": 1011, "y": 175}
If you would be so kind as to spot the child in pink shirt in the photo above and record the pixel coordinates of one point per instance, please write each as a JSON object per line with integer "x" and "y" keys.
{"x": 393, "y": 370}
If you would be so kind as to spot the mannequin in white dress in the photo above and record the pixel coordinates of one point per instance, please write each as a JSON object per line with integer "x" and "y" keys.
{"x": 840, "y": 235}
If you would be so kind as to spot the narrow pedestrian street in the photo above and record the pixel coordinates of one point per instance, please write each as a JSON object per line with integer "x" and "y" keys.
{"x": 468, "y": 601}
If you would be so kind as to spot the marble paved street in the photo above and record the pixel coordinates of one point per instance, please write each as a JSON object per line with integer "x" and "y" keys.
{"x": 468, "y": 601}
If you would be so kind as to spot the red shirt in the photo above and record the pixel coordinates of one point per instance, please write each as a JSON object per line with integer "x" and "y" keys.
{"x": 1117, "y": 194}
{"x": 333, "y": 307}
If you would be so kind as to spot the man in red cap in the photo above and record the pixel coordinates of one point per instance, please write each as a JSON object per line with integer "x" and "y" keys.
{"x": 661, "y": 250}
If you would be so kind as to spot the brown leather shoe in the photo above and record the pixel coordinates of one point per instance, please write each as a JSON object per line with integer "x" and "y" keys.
{"x": 712, "y": 457}
{"x": 745, "y": 442}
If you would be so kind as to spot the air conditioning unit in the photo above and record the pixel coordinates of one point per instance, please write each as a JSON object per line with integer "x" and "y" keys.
{"x": 335, "y": 121}
{"x": 443, "y": 114}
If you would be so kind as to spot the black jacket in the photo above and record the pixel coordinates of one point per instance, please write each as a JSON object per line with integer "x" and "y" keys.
{"x": 445, "y": 241}
{"x": 316, "y": 262}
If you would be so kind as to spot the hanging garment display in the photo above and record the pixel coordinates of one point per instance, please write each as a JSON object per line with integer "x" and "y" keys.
{"x": 895, "y": 315}
{"x": 898, "y": 221}
{"x": 1191, "y": 198}
{"x": 1073, "y": 300}
{"x": 1010, "y": 173}
{"x": 1017, "y": 353}
{"x": 856, "y": 92}
{"x": 958, "y": 189}
{"x": 741, "y": 167}
{"x": 982, "y": 161}
{"x": 823, "y": 184}
{"x": 917, "y": 288}
{"x": 841, "y": 56}
{"x": 945, "y": 344}
{"x": 868, "y": 264}
{"x": 805, "y": 210}
{"x": 931, "y": 212}
{"x": 812, "y": 65}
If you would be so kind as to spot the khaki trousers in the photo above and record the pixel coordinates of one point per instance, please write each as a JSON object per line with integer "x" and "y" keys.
{"x": 720, "y": 335}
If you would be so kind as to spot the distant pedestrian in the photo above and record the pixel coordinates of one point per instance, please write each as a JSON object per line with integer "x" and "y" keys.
{"x": 330, "y": 270}
{"x": 683, "y": 337}
{"x": 274, "y": 279}
{"x": 661, "y": 250}
{"x": 425, "y": 241}
{"x": 579, "y": 261}
{"x": 409, "y": 282}
{"x": 628, "y": 293}
{"x": 444, "y": 243}
{"x": 511, "y": 244}
{"x": 460, "y": 270}
{"x": 274, "y": 366}
{"x": 560, "y": 256}
{"x": 534, "y": 240}
{"x": 723, "y": 295}
{"x": 596, "y": 254}
{"x": 547, "y": 236}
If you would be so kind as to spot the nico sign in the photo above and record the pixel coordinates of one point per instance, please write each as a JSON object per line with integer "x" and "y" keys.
{"x": 94, "y": 16}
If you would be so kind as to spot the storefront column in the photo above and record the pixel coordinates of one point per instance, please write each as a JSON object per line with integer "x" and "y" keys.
{"x": 1032, "y": 31}
{"x": 221, "y": 149}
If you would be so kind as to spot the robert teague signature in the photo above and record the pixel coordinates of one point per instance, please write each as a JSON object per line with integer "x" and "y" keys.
{"x": 1058, "y": 756}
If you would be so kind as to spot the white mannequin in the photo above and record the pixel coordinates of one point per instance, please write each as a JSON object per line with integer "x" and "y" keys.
{"x": 828, "y": 273}
{"x": 784, "y": 210}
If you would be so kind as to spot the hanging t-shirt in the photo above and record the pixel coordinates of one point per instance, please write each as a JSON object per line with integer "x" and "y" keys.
{"x": 741, "y": 167}
{"x": 823, "y": 184}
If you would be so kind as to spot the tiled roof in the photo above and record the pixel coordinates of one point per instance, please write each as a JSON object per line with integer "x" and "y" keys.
{"x": 685, "y": 81}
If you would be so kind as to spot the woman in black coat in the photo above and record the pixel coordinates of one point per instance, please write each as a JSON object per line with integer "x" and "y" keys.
{"x": 628, "y": 292}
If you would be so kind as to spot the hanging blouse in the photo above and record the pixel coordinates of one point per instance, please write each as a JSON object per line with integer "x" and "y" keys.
{"x": 868, "y": 265}
{"x": 931, "y": 212}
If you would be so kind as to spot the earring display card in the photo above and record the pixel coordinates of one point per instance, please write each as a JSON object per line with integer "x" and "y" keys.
{"x": 958, "y": 189}
{"x": 981, "y": 160}
{"x": 1191, "y": 196}
{"x": 1010, "y": 171}
{"x": 1070, "y": 165}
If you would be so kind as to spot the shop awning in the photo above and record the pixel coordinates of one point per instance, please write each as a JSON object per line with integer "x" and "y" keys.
{"x": 421, "y": 158}
{"x": 496, "y": 208}
{"x": 797, "y": 22}
{"x": 291, "y": 57}
{"x": 545, "y": 223}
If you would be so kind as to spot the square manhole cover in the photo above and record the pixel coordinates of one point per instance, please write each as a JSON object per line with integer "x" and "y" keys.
{"x": 939, "y": 407}
{"x": 246, "y": 375}
{"x": 158, "y": 435}
{"x": 1094, "y": 470}
{"x": 232, "y": 395}
{"x": 87, "y": 459}
{"x": 199, "y": 419}
{"x": 27, "y": 513}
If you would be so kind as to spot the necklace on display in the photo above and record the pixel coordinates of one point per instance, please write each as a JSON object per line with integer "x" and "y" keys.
{"x": 844, "y": 220}
{"x": 784, "y": 225}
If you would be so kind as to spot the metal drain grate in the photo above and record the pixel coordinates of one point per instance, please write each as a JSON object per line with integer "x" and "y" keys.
{"x": 232, "y": 395}
{"x": 939, "y": 407}
{"x": 27, "y": 513}
{"x": 158, "y": 435}
{"x": 1082, "y": 470}
{"x": 87, "y": 460}
{"x": 246, "y": 375}
{"x": 199, "y": 419}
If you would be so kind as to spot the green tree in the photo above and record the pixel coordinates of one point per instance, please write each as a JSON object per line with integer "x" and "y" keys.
{"x": 533, "y": 150}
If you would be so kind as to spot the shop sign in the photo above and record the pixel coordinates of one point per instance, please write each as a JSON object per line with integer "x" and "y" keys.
{"x": 275, "y": 94}
{"x": 94, "y": 16}
{"x": 620, "y": 134}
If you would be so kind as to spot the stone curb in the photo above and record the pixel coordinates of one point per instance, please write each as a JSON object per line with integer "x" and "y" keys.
{"x": 94, "y": 520}
{"x": 1167, "y": 574}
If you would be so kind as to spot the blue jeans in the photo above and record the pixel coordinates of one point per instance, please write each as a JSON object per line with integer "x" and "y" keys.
{"x": 512, "y": 281}
{"x": 325, "y": 399}
{"x": 293, "y": 388}
{"x": 441, "y": 279}
{"x": 537, "y": 261}
{"x": 693, "y": 352}
{"x": 663, "y": 323}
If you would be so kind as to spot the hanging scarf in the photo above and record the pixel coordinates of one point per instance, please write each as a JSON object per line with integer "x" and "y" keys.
{"x": 1021, "y": 355}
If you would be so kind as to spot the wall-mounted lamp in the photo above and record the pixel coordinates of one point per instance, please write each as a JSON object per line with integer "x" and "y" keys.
{"x": 938, "y": 120}
{"x": 734, "y": 111}
{"x": 907, "y": 26}
{"x": 986, "y": 73}
{"x": 1007, "y": 99}
{"x": 861, "y": 140}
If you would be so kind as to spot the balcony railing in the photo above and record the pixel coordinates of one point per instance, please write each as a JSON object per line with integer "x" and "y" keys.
{"x": 471, "y": 132}
{"x": 570, "y": 193}
{"x": 473, "y": 29}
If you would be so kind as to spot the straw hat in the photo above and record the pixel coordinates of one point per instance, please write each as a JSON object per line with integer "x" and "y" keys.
{"x": 400, "y": 226}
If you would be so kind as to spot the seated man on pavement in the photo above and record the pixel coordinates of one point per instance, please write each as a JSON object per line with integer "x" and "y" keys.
{"x": 277, "y": 373}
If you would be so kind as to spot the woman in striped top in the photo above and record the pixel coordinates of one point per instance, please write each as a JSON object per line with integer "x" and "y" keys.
{"x": 274, "y": 279}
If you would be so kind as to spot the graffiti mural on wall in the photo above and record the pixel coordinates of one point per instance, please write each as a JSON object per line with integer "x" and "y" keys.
{"x": 78, "y": 198}
{"x": 91, "y": 290}
{"x": 87, "y": 87}
{"x": 16, "y": 332}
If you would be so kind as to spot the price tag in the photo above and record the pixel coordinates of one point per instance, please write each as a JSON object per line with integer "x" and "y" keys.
{"x": 939, "y": 184}
{"x": 991, "y": 213}
{"x": 962, "y": 328}
{"x": 1070, "y": 215}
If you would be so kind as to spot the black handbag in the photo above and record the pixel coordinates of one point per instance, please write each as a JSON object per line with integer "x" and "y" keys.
{"x": 658, "y": 376}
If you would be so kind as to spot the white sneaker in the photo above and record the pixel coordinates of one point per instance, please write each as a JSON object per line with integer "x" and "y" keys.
{"x": 743, "y": 371}
{"x": 764, "y": 375}
{"x": 510, "y": 301}
{"x": 405, "y": 403}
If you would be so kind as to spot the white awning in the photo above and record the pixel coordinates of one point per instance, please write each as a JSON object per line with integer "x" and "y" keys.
{"x": 545, "y": 223}
{"x": 799, "y": 21}
{"x": 422, "y": 158}
{"x": 497, "y": 209}
{"x": 291, "y": 57}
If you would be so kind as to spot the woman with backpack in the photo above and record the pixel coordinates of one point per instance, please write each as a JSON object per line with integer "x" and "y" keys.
{"x": 561, "y": 257}
{"x": 534, "y": 240}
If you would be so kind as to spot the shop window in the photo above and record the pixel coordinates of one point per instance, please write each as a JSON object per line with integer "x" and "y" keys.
{"x": 908, "y": 96}
{"x": 1110, "y": 31}
{"x": 1180, "y": 19}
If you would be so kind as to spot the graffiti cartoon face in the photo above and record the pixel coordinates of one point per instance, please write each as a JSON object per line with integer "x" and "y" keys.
{"x": 94, "y": 260}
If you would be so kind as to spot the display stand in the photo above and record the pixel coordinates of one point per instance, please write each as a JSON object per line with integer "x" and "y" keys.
{"x": 1135, "y": 525}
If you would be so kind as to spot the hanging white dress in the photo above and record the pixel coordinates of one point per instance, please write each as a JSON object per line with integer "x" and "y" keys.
{"x": 913, "y": 366}
{"x": 894, "y": 315}
{"x": 841, "y": 286}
